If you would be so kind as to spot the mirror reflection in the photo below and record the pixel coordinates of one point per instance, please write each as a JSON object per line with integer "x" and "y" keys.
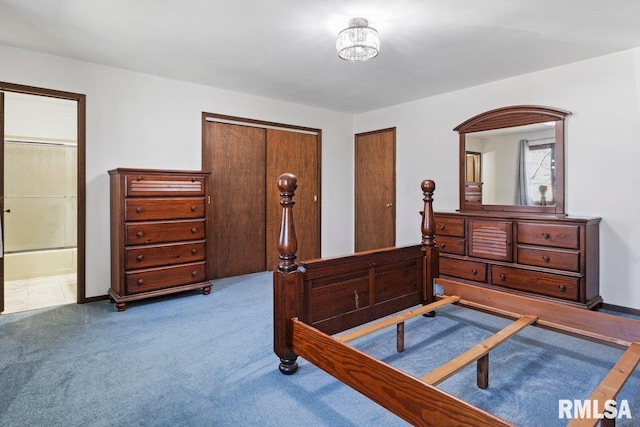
{"x": 513, "y": 166}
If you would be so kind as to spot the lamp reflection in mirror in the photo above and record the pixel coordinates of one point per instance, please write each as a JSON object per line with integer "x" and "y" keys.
{"x": 358, "y": 42}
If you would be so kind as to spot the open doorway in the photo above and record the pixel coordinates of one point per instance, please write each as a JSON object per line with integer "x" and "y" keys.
{"x": 42, "y": 225}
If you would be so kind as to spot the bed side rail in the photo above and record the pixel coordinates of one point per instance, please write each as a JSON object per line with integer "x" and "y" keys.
{"x": 409, "y": 398}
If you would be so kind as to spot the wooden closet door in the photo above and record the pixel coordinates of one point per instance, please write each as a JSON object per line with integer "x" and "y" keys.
{"x": 295, "y": 152}
{"x": 375, "y": 190}
{"x": 235, "y": 155}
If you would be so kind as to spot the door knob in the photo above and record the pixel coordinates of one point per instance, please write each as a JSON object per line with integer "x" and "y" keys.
{"x": 6, "y": 210}
{"x": 388, "y": 205}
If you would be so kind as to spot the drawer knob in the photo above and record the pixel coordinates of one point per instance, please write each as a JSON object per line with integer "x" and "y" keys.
{"x": 194, "y": 273}
{"x": 194, "y": 230}
{"x": 140, "y": 281}
{"x": 139, "y": 178}
{"x": 545, "y": 258}
{"x": 140, "y": 257}
{"x": 562, "y": 288}
{"x": 140, "y": 234}
{"x": 194, "y": 251}
{"x": 474, "y": 272}
{"x": 139, "y": 209}
{"x": 193, "y": 208}
{"x": 503, "y": 276}
{"x": 442, "y": 245}
{"x": 442, "y": 226}
{"x": 545, "y": 235}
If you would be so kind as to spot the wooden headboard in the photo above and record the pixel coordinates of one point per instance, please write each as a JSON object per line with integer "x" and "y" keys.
{"x": 339, "y": 293}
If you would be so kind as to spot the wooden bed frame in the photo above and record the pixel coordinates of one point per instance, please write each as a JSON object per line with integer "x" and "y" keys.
{"x": 323, "y": 297}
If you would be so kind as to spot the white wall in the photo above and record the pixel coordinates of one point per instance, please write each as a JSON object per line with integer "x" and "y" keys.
{"x": 602, "y": 152}
{"x": 138, "y": 120}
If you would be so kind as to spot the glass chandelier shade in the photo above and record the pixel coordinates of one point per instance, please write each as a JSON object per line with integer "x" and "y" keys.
{"x": 358, "y": 42}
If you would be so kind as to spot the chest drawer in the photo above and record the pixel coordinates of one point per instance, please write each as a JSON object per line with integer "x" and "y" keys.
{"x": 532, "y": 281}
{"x": 560, "y": 236}
{"x": 550, "y": 258}
{"x": 143, "y": 233}
{"x": 462, "y": 269}
{"x": 145, "y": 209}
{"x": 450, "y": 245}
{"x": 450, "y": 227}
{"x": 157, "y": 255}
{"x": 140, "y": 185}
{"x": 162, "y": 278}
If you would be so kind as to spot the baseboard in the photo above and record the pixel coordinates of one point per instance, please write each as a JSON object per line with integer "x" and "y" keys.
{"x": 621, "y": 309}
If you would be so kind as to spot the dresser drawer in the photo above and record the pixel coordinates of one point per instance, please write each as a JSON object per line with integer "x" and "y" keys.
{"x": 162, "y": 278}
{"x": 462, "y": 269}
{"x": 450, "y": 245}
{"x": 551, "y": 258}
{"x": 140, "y": 185}
{"x": 144, "y": 209}
{"x": 560, "y": 236}
{"x": 143, "y": 233}
{"x": 491, "y": 239}
{"x": 449, "y": 226}
{"x": 540, "y": 283}
{"x": 157, "y": 255}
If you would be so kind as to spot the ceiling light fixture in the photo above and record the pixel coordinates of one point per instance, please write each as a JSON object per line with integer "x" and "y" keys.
{"x": 358, "y": 42}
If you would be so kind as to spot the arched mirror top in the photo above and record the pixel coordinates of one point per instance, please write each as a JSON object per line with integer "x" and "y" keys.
{"x": 512, "y": 160}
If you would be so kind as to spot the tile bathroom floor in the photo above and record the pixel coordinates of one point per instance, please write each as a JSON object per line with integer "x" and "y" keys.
{"x": 39, "y": 292}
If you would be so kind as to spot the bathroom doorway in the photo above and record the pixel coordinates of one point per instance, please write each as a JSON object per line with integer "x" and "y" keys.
{"x": 42, "y": 224}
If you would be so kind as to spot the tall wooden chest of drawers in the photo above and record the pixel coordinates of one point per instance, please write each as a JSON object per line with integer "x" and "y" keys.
{"x": 548, "y": 257}
{"x": 158, "y": 231}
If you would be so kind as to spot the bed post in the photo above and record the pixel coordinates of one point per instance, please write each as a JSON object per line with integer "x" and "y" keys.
{"x": 428, "y": 228}
{"x": 287, "y": 280}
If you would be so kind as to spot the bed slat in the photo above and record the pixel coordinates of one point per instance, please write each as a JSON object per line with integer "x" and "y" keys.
{"x": 611, "y": 384}
{"x": 409, "y": 398}
{"x": 385, "y": 323}
{"x": 455, "y": 365}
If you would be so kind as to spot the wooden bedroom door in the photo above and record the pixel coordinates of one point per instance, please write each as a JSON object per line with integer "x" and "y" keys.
{"x": 234, "y": 155}
{"x": 294, "y": 152}
{"x": 375, "y": 189}
{"x": 245, "y": 162}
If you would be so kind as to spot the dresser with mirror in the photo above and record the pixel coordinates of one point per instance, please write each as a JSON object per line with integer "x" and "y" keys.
{"x": 511, "y": 232}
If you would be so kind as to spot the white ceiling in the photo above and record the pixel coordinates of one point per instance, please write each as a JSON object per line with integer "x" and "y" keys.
{"x": 285, "y": 49}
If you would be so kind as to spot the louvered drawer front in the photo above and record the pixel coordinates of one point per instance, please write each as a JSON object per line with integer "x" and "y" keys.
{"x": 142, "y": 233}
{"x": 164, "y": 185}
{"x": 450, "y": 227}
{"x": 157, "y": 255}
{"x": 144, "y": 209}
{"x": 450, "y": 245}
{"x": 162, "y": 278}
{"x": 469, "y": 270}
{"x": 551, "y": 258}
{"x": 491, "y": 239}
{"x": 540, "y": 283}
{"x": 560, "y": 236}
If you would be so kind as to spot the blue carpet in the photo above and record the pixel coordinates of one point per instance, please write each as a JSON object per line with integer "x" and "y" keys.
{"x": 194, "y": 360}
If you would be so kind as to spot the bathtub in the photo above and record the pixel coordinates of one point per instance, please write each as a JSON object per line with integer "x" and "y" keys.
{"x": 50, "y": 262}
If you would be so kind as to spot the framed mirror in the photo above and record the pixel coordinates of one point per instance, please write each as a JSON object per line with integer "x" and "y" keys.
{"x": 512, "y": 160}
